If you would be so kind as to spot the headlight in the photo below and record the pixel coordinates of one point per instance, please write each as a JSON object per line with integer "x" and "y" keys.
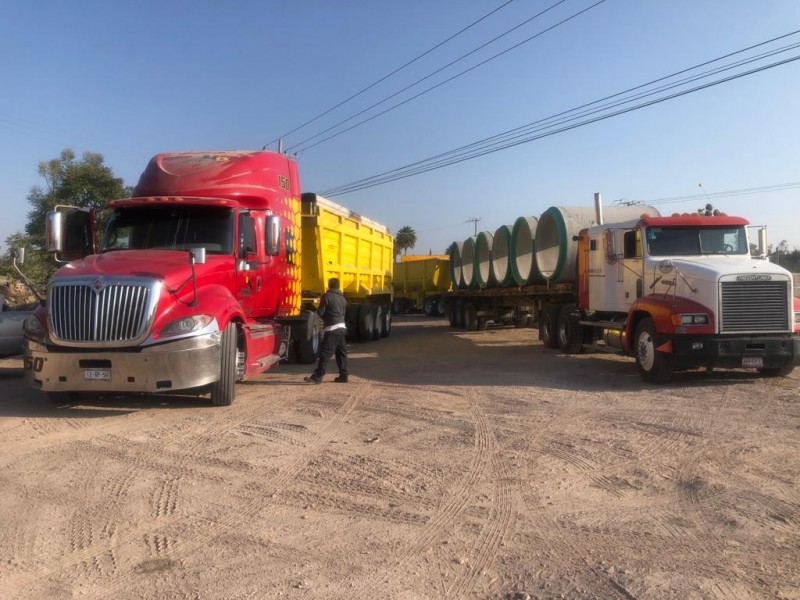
{"x": 691, "y": 319}
{"x": 186, "y": 325}
{"x": 32, "y": 328}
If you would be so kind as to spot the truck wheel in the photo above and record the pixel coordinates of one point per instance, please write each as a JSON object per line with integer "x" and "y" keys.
{"x": 777, "y": 371}
{"x": 397, "y": 306}
{"x": 459, "y": 314}
{"x": 441, "y": 308}
{"x": 307, "y": 350}
{"x": 570, "y": 332}
{"x": 470, "y": 317}
{"x": 548, "y": 326}
{"x": 366, "y": 322}
{"x": 223, "y": 390}
{"x": 654, "y": 366}
{"x": 386, "y": 321}
{"x": 451, "y": 313}
{"x": 483, "y": 323}
{"x": 377, "y": 319}
{"x": 428, "y": 307}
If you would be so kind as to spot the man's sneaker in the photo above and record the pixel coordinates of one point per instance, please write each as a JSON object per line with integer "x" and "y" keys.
{"x": 341, "y": 379}
{"x": 312, "y": 379}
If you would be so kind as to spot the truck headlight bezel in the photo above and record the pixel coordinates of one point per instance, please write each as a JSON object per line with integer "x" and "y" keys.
{"x": 185, "y": 325}
{"x": 692, "y": 319}
{"x": 33, "y": 329}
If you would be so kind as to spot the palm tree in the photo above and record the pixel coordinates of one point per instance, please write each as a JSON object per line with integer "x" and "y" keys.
{"x": 406, "y": 238}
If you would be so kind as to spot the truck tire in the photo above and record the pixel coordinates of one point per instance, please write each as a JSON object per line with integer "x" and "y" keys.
{"x": 429, "y": 307}
{"x": 377, "y": 319}
{"x": 459, "y": 314}
{"x": 223, "y": 390}
{"x": 451, "y": 313}
{"x": 366, "y": 322}
{"x": 548, "y": 326}
{"x": 654, "y": 366}
{"x": 570, "y": 332}
{"x": 470, "y": 317}
{"x": 307, "y": 350}
{"x": 441, "y": 307}
{"x": 386, "y": 320}
{"x": 397, "y": 306}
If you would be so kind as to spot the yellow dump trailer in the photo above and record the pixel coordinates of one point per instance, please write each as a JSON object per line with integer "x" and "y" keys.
{"x": 419, "y": 282}
{"x": 337, "y": 242}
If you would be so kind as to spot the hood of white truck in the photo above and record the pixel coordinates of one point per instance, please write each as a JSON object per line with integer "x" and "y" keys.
{"x": 712, "y": 267}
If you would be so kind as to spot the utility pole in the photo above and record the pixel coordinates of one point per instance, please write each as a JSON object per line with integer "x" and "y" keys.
{"x": 474, "y": 220}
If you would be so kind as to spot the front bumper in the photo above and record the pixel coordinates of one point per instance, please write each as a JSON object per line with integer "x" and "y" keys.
{"x": 180, "y": 365}
{"x": 774, "y": 351}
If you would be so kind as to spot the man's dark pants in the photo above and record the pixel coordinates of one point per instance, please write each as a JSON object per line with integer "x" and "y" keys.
{"x": 333, "y": 342}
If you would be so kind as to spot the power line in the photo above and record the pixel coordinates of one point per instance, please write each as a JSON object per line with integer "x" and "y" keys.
{"x": 764, "y": 189}
{"x": 428, "y": 76}
{"x": 512, "y": 137}
{"x": 397, "y": 70}
{"x": 446, "y": 81}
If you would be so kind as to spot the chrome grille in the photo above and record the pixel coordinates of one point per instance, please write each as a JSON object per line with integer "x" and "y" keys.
{"x": 90, "y": 313}
{"x": 754, "y": 306}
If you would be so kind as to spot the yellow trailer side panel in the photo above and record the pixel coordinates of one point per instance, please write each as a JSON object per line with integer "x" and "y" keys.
{"x": 423, "y": 273}
{"x": 340, "y": 243}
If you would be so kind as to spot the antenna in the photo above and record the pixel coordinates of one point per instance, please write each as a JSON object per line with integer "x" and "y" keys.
{"x": 474, "y": 220}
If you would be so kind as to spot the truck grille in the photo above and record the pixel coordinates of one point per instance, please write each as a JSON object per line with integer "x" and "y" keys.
{"x": 97, "y": 312}
{"x": 754, "y": 306}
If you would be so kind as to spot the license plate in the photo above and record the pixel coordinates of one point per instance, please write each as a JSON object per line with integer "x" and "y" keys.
{"x": 753, "y": 362}
{"x": 97, "y": 375}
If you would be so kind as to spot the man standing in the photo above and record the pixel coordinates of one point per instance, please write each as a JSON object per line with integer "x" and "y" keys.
{"x": 332, "y": 308}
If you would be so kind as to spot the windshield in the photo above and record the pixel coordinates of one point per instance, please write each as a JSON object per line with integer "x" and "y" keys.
{"x": 693, "y": 241}
{"x": 170, "y": 228}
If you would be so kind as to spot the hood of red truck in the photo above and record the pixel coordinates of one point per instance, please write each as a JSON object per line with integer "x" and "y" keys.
{"x": 168, "y": 266}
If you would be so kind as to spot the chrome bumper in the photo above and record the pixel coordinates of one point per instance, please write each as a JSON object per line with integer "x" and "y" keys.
{"x": 179, "y": 365}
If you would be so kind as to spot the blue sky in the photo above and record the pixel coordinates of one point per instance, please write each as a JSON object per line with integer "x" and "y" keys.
{"x": 131, "y": 79}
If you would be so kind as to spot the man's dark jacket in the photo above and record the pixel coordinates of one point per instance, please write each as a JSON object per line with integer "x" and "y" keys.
{"x": 332, "y": 307}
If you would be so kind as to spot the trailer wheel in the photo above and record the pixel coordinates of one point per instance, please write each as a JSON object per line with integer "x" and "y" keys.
{"x": 451, "y": 313}
{"x": 483, "y": 323}
{"x": 654, "y": 366}
{"x": 366, "y": 322}
{"x": 397, "y": 306}
{"x": 777, "y": 371}
{"x": 386, "y": 321}
{"x": 307, "y": 350}
{"x": 548, "y": 326}
{"x": 223, "y": 390}
{"x": 459, "y": 314}
{"x": 429, "y": 307}
{"x": 570, "y": 332}
{"x": 377, "y": 319}
{"x": 470, "y": 317}
{"x": 441, "y": 307}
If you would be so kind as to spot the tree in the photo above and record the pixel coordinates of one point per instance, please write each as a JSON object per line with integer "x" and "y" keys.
{"x": 406, "y": 238}
{"x": 86, "y": 182}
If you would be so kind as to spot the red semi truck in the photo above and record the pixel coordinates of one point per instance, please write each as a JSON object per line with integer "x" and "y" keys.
{"x": 208, "y": 276}
{"x": 674, "y": 292}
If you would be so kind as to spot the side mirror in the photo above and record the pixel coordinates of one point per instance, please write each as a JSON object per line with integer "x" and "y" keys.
{"x": 70, "y": 232}
{"x": 18, "y": 256}
{"x": 272, "y": 244}
{"x": 198, "y": 255}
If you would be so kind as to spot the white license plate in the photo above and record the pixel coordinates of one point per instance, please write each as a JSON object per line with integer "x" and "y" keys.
{"x": 97, "y": 374}
{"x": 753, "y": 362}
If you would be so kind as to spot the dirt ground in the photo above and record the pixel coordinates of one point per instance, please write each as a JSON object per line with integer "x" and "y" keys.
{"x": 453, "y": 465}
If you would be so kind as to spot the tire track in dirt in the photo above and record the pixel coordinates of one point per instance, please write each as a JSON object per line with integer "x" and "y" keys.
{"x": 392, "y": 577}
{"x": 498, "y": 524}
{"x": 220, "y": 423}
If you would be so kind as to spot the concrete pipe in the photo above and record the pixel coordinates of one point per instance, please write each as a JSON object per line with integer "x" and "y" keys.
{"x": 455, "y": 264}
{"x": 468, "y": 270}
{"x": 501, "y": 254}
{"x": 556, "y": 251}
{"x": 523, "y": 257}
{"x": 483, "y": 259}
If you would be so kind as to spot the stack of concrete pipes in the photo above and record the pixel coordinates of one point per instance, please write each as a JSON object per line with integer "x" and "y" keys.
{"x": 531, "y": 250}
